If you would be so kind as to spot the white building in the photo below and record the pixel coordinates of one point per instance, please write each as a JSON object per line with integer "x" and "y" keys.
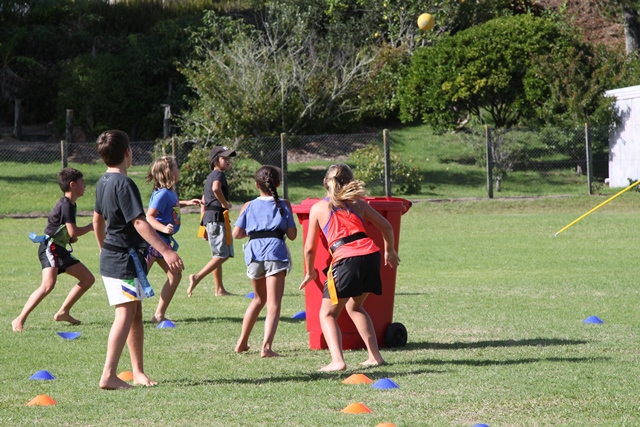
{"x": 624, "y": 142}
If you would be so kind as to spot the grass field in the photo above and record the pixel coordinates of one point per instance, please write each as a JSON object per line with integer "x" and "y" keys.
{"x": 492, "y": 302}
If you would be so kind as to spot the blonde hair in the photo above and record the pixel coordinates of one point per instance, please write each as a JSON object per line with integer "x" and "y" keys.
{"x": 342, "y": 187}
{"x": 160, "y": 173}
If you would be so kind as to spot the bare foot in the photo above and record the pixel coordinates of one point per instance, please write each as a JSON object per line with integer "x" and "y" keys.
{"x": 113, "y": 383}
{"x": 157, "y": 319}
{"x": 333, "y": 367}
{"x": 193, "y": 282}
{"x": 269, "y": 353}
{"x": 143, "y": 379}
{"x": 372, "y": 362}
{"x": 17, "y": 325}
{"x": 65, "y": 317}
{"x": 242, "y": 349}
{"x": 223, "y": 293}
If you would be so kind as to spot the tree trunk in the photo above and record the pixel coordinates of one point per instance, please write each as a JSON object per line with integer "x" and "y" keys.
{"x": 631, "y": 29}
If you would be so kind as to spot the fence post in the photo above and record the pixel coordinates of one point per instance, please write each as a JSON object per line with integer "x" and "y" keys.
{"x": 68, "y": 129}
{"x": 589, "y": 159}
{"x": 284, "y": 165}
{"x": 17, "y": 120}
{"x": 387, "y": 163}
{"x": 489, "y": 156}
{"x": 68, "y": 137}
{"x": 63, "y": 153}
{"x": 166, "y": 122}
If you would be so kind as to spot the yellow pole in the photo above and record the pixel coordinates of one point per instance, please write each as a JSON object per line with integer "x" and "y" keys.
{"x": 599, "y": 206}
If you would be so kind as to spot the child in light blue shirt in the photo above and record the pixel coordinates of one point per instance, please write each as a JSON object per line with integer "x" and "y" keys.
{"x": 266, "y": 220}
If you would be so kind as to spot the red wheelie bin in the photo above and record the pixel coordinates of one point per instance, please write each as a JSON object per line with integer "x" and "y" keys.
{"x": 379, "y": 307}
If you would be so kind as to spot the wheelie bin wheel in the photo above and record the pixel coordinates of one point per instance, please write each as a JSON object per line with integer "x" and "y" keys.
{"x": 395, "y": 335}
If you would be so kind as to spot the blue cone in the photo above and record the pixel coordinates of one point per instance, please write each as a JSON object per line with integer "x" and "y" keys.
{"x": 250, "y": 295}
{"x": 481, "y": 425}
{"x": 166, "y": 324}
{"x": 42, "y": 375}
{"x": 385, "y": 384}
{"x": 592, "y": 319}
{"x": 301, "y": 315}
{"x": 69, "y": 335}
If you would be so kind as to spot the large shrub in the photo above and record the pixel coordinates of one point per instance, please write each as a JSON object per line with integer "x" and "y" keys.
{"x": 369, "y": 167}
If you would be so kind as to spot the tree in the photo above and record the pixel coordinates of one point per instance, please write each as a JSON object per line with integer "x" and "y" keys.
{"x": 252, "y": 82}
{"x": 486, "y": 72}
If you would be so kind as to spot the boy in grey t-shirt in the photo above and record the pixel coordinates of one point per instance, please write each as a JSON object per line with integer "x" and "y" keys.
{"x": 119, "y": 224}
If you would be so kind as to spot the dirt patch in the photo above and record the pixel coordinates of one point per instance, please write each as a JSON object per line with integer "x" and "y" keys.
{"x": 587, "y": 16}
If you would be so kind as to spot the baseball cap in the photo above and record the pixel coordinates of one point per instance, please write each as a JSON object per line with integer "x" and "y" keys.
{"x": 220, "y": 151}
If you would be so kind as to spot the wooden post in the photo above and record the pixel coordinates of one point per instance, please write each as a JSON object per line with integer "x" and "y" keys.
{"x": 17, "y": 120}
{"x": 284, "y": 165}
{"x": 166, "y": 122}
{"x": 387, "y": 163}
{"x": 63, "y": 153}
{"x": 68, "y": 130}
{"x": 489, "y": 162}
{"x": 589, "y": 159}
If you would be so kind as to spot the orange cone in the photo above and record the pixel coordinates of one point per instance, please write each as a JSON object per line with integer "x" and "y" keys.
{"x": 41, "y": 400}
{"x": 386, "y": 425}
{"x": 356, "y": 408}
{"x": 126, "y": 376}
{"x": 357, "y": 379}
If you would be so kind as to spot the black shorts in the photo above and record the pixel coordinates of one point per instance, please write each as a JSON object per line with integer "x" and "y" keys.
{"x": 55, "y": 256}
{"x": 356, "y": 275}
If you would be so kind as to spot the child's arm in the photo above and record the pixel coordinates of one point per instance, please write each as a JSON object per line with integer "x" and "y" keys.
{"x": 75, "y": 231}
{"x": 99, "y": 228}
{"x": 292, "y": 232}
{"x": 157, "y": 225}
{"x": 310, "y": 248}
{"x": 390, "y": 255}
{"x": 149, "y": 234}
{"x": 192, "y": 202}
{"x": 238, "y": 232}
{"x": 217, "y": 190}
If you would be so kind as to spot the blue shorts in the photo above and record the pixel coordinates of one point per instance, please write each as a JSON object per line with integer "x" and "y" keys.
{"x": 356, "y": 275}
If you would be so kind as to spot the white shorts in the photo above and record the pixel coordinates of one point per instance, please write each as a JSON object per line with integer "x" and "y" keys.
{"x": 120, "y": 291}
{"x": 259, "y": 269}
{"x": 218, "y": 240}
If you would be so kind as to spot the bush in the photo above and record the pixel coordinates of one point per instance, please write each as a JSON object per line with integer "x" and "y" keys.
{"x": 369, "y": 167}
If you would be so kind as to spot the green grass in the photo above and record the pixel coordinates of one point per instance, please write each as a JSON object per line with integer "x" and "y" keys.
{"x": 492, "y": 302}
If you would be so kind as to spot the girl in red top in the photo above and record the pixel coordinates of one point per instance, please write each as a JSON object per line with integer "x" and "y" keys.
{"x": 355, "y": 265}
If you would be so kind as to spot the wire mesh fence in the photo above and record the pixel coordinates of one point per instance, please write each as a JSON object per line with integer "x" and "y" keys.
{"x": 521, "y": 162}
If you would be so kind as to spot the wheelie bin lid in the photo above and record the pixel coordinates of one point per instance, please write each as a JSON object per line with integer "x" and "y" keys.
{"x": 379, "y": 203}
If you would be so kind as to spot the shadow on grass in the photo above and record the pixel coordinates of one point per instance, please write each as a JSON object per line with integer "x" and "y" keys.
{"x": 492, "y": 362}
{"x": 208, "y": 319}
{"x": 536, "y": 342}
{"x": 302, "y": 377}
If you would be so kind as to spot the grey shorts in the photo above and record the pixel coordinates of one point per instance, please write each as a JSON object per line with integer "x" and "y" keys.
{"x": 259, "y": 269}
{"x": 218, "y": 240}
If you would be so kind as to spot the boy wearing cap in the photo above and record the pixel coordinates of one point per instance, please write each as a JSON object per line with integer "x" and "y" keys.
{"x": 215, "y": 218}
